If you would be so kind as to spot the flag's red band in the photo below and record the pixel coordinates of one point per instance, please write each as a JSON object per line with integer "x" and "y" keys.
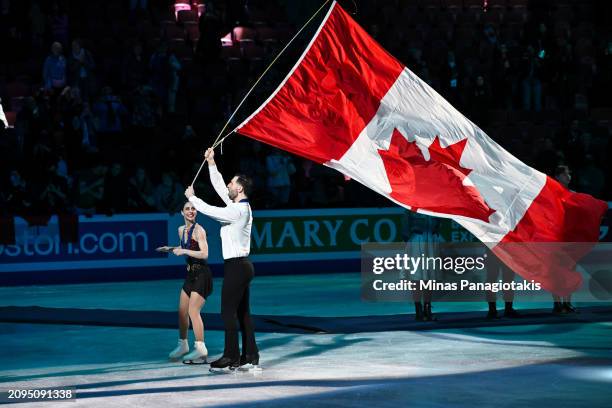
{"x": 333, "y": 93}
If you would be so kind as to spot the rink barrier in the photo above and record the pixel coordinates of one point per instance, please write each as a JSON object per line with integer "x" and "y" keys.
{"x": 297, "y": 324}
{"x": 121, "y": 247}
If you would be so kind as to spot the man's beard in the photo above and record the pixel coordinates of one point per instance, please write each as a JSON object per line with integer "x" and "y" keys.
{"x": 231, "y": 194}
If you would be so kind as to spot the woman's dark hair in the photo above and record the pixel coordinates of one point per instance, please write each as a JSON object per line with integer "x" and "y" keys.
{"x": 246, "y": 182}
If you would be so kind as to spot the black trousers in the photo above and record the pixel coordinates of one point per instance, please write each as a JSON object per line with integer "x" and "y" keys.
{"x": 237, "y": 276}
{"x": 495, "y": 267}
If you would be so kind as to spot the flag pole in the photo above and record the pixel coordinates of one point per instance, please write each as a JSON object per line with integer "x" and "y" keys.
{"x": 218, "y": 141}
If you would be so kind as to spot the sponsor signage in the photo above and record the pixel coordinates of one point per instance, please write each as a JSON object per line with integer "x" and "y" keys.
{"x": 129, "y": 241}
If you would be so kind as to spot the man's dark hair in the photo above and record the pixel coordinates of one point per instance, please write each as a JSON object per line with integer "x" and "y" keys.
{"x": 246, "y": 182}
{"x": 560, "y": 169}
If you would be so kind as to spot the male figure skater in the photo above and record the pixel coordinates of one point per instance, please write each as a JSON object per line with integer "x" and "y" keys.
{"x": 236, "y": 219}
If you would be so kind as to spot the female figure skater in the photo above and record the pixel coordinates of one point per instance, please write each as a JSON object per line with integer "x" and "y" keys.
{"x": 198, "y": 285}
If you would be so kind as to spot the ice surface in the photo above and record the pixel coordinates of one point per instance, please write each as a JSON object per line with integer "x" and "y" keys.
{"x": 545, "y": 366}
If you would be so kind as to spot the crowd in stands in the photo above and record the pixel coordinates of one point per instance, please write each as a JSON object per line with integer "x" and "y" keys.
{"x": 108, "y": 105}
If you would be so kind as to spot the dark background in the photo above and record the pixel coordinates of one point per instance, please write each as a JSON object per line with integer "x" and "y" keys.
{"x": 121, "y": 126}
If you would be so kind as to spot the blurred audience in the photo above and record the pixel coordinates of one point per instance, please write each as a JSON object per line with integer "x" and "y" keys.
{"x": 169, "y": 195}
{"x": 119, "y": 123}
{"x": 54, "y": 69}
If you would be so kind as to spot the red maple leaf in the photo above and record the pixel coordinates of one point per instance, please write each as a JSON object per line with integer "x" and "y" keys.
{"x": 435, "y": 184}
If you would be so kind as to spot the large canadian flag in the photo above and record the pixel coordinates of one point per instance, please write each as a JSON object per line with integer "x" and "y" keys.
{"x": 351, "y": 106}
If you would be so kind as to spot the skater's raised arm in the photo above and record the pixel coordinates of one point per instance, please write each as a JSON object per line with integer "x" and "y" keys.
{"x": 221, "y": 214}
{"x": 216, "y": 178}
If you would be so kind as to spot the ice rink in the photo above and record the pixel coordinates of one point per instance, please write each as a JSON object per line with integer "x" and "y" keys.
{"x": 539, "y": 361}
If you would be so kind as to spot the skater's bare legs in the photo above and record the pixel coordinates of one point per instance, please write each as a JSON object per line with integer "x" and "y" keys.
{"x": 183, "y": 314}
{"x": 196, "y": 302}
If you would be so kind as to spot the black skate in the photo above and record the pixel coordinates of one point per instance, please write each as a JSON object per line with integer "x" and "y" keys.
{"x": 418, "y": 311}
{"x": 224, "y": 365}
{"x": 492, "y": 314}
{"x": 249, "y": 362}
{"x": 511, "y": 312}
{"x": 428, "y": 316}
{"x": 567, "y": 308}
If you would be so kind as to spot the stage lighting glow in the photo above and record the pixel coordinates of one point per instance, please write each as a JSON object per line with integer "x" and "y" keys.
{"x": 600, "y": 374}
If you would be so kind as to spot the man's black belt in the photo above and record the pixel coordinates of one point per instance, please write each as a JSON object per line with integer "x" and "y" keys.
{"x": 236, "y": 260}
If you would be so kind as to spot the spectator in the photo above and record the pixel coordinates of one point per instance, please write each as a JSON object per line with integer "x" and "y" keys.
{"x": 489, "y": 44}
{"x": 252, "y": 162}
{"x": 530, "y": 72}
{"x": 37, "y": 24}
{"x": 145, "y": 108}
{"x": 84, "y": 123}
{"x": 304, "y": 182}
{"x": 451, "y": 79}
{"x": 53, "y": 196}
{"x": 328, "y": 188}
{"x": 211, "y": 29}
{"x": 590, "y": 179}
{"x": 140, "y": 196}
{"x": 30, "y": 126}
{"x": 543, "y": 40}
{"x": 546, "y": 158}
{"x": 603, "y": 79}
{"x": 108, "y": 113}
{"x": 62, "y": 167}
{"x": 419, "y": 65}
{"x": 78, "y": 122}
{"x": 174, "y": 81}
{"x": 14, "y": 41}
{"x": 115, "y": 199}
{"x": 54, "y": 70}
{"x": 80, "y": 67}
{"x": 161, "y": 72}
{"x": 135, "y": 68}
{"x": 563, "y": 75}
{"x": 280, "y": 167}
{"x": 189, "y": 135}
{"x": 17, "y": 196}
{"x": 58, "y": 23}
{"x": 90, "y": 189}
{"x": 563, "y": 175}
{"x": 505, "y": 78}
{"x": 169, "y": 194}
{"x": 334, "y": 188}
{"x": 165, "y": 68}
{"x": 480, "y": 101}
{"x": 135, "y": 4}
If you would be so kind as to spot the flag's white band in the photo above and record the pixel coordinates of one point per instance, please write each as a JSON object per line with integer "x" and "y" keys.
{"x": 420, "y": 114}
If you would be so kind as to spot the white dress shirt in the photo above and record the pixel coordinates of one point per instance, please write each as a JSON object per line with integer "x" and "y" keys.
{"x": 236, "y": 218}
